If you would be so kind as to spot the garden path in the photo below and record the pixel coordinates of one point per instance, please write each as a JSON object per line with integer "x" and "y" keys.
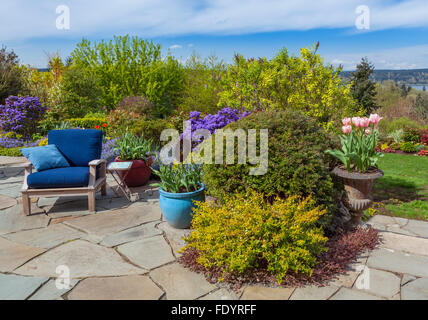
{"x": 127, "y": 251}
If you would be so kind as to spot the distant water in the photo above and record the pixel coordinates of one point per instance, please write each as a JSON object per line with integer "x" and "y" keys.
{"x": 419, "y": 86}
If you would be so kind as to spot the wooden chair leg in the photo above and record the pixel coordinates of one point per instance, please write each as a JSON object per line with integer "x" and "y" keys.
{"x": 91, "y": 201}
{"x": 26, "y": 204}
{"x": 104, "y": 189}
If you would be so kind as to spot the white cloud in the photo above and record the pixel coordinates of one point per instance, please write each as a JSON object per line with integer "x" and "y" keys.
{"x": 175, "y": 46}
{"x": 412, "y": 57}
{"x": 23, "y": 19}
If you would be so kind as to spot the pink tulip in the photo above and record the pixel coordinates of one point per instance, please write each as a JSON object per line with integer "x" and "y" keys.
{"x": 374, "y": 118}
{"x": 347, "y": 129}
{"x": 356, "y": 121}
{"x": 364, "y": 122}
{"x": 367, "y": 131}
{"x": 346, "y": 121}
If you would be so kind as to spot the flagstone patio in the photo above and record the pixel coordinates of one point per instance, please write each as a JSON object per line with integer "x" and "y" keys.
{"x": 127, "y": 251}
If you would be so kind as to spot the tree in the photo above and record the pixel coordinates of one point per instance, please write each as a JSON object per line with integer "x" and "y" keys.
{"x": 421, "y": 106}
{"x": 10, "y": 75}
{"x": 363, "y": 90}
{"x": 405, "y": 90}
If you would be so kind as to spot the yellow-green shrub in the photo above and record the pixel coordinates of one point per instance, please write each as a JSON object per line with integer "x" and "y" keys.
{"x": 246, "y": 232}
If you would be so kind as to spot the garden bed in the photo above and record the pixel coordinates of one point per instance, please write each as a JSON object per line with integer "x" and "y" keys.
{"x": 343, "y": 249}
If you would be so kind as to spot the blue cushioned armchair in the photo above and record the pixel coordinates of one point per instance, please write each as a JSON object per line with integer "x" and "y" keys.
{"x": 86, "y": 174}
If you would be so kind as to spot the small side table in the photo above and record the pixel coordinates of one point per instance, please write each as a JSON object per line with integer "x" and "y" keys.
{"x": 113, "y": 168}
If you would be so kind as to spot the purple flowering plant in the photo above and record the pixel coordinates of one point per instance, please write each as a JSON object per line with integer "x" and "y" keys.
{"x": 211, "y": 122}
{"x": 21, "y": 115}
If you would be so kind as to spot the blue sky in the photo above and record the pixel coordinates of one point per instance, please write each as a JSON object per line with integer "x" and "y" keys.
{"x": 397, "y": 37}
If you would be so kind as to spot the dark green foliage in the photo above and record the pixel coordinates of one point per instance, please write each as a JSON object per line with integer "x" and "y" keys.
{"x": 297, "y": 162}
{"x": 10, "y": 75}
{"x": 80, "y": 93}
{"x": 151, "y": 129}
{"x": 363, "y": 90}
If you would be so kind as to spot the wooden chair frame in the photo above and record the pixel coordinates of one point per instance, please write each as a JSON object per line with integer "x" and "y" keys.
{"x": 93, "y": 186}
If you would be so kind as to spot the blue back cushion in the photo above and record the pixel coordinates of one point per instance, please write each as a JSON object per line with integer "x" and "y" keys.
{"x": 45, "y": 157}
{"x": 77, "y": 145}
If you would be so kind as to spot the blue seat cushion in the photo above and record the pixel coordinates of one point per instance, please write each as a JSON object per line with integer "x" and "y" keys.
{"x": 78, "y": 146}
{"x": 59, "y": 178}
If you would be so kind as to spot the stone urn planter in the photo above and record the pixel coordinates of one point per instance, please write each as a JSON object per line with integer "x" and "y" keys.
{"x": 358, "y": 189}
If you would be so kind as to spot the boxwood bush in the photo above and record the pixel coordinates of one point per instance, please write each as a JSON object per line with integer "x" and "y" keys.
{"x": 297, "y": 163}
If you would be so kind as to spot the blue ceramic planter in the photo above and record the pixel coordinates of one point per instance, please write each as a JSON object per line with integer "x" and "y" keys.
{"x": 177, "y": 207}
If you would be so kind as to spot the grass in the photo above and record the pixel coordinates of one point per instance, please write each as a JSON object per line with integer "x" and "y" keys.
{"x": 403, "y": 190}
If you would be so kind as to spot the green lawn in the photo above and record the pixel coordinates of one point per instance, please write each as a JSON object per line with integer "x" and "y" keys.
{"x": 403, "y": 190}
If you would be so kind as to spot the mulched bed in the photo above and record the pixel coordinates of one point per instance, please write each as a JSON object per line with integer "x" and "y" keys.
{"x": 343, "y": 249}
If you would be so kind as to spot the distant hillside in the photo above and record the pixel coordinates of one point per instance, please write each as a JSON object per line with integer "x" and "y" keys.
{"x": 413, "y": 76}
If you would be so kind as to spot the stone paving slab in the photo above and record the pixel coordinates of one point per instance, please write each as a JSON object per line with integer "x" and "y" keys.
{"x": 106, "y": 223}
{"x": 180, "y": 283}
{"x": 314, "y": 292}
{"x": 399, "y": 242}
{"x": 380, "y": 283}
{"x": 353, "y": 294}
{"x": 420, "y": 228}
{"x": 174, "y": 236}
{"x": 13, "y": 255}
{"x": 7, "y": 202}
{"x": 220, "y": 294}
{"x": 49, "y": 291}
{"x": 148, "y": 253}
{"x": 116, "y": 288}
{"x": 13, "y": 287}
{"x": 84, "y": 259}
{"x": 13, "y": 219}
{"x": 72, "y": 208}
{"x": 265, "y": 293}
{"x": 46, "y": 238}
{"x": 399, "y": 262}
{"x": 136, "y": 233}
{"x": 415, "y": 290}
{"x": 11, "y": 190}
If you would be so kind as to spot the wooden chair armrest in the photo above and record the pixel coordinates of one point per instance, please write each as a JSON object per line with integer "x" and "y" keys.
{"x": 97, "y": 162}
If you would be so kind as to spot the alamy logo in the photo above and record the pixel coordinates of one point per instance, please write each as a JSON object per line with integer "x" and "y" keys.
{"x": 63, "y": 280}
{"x": 363, "y": 20}
{"x": 252, "y": 147}
{"x": 63, "y": 20}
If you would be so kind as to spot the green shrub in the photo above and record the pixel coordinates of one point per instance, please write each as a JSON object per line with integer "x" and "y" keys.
{"x": 411, "y": 135}
{"x": 407, "y": 147}
{"x": 128, "y": 66}
{"x": 246, "y": 232}
{"x": 11, "y": 152}
{"x": 80, "y": 93}
{"x": 128, "y": 110}
{"x": 87, "y": 123}
{"x": 297, "y": 163}
{"x": 388, "y": 126}
{"x": 151, "y": 129}
{"x": 301, "y": 83}
{"x": 203, "y": 83}
{"x": 10, "y": 75}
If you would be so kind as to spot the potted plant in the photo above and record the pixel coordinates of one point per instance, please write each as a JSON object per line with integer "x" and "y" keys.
{"x": 180, "y": 185}
{"x": 137, "y": 150}
{"x": 359, "y": 163}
